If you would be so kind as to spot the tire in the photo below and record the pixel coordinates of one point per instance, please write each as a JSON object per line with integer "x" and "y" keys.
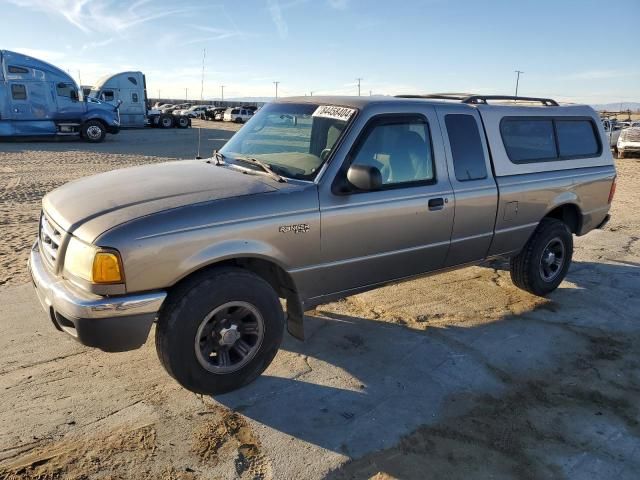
{"x": 531, "y": 269}
{"x": 182, "y": 122}
{"x": 166, "y": 121}
{"x": 184, "y": 332}
{"x": 93, "y": 131}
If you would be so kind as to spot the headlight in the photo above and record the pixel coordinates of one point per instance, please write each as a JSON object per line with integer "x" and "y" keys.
{"x": 93, "y": 264}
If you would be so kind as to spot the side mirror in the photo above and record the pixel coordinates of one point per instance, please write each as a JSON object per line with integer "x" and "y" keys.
{"x": 364, "y": 177}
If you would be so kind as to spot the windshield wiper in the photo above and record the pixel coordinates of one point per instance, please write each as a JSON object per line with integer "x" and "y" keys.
{"x": 217, "y": 157}
{"x": 265, "y": 167}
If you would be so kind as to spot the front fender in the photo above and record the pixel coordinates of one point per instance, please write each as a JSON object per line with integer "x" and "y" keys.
{"x": 231, "y": 250}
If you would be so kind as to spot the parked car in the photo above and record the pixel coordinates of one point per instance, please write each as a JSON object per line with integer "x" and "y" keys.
{"x": 629, "y": 141}
{"x": 237, "y": 115}
{"x": 38, "y": 99}
{"x": 612, "y": 130}
{"x": 355, "y": 193}
{"x": 196, "y": 111}
{"x": 214, "y": 113}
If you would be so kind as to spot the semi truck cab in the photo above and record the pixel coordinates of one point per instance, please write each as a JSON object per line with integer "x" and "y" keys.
{"x": 39, "y": 99}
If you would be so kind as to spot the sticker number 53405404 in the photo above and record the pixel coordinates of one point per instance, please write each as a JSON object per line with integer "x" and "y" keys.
{"x": 337, "y": 113}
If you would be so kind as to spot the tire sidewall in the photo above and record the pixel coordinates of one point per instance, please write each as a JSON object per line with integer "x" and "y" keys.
{"x": 195, "y": 305}
{"x": 93, "y": 123}
{"x": 555, "y": 229}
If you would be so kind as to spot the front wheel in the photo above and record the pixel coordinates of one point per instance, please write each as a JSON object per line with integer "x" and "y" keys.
{"x": 544, "y": 261}
{"x": 219, "y": 330}
{"x": 93, "y": 131}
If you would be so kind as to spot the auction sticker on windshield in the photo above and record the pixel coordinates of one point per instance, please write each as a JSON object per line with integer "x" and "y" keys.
{"x": 336, "y": 113}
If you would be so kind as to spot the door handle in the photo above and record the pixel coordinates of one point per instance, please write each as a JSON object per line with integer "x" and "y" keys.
{"x": 436, "y": 203}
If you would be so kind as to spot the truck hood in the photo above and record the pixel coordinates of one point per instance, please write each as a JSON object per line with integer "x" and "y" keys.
{"x": 122, "y": 195}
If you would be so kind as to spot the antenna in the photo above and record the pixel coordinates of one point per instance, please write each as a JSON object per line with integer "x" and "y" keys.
{"x": 198, "y": 157}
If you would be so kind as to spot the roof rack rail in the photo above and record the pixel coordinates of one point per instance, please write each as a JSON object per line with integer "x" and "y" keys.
{"x": 476, "y": 99}
{"x": 481, "y": 99}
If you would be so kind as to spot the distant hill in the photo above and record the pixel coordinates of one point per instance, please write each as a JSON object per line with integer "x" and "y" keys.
{"x": 616, "y": 107}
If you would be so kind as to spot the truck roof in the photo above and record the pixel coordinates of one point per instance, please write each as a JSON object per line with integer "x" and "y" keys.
{"x": 464, "y": 101}
{"x": 51, "y": 71}
{"x": 104, "y": 81}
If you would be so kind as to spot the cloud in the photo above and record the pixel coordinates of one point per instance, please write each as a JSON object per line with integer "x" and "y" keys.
{"x": 275, "y": 11}
{"x": 599, "y": 74}
{"x": 101, "y": 15}
{"x": 338, "y": 4}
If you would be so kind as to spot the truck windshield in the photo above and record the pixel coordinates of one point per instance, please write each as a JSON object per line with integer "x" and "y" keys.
{"x": 293, "y": 139}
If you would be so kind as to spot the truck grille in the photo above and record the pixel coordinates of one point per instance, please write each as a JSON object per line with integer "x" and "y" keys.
{"x": 50, "y": 240}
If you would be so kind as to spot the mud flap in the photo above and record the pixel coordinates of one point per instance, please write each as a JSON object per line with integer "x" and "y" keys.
{"x": 295, "y": 316}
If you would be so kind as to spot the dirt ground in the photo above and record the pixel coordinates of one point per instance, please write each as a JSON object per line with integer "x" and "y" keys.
{"x": 459, "y": 375}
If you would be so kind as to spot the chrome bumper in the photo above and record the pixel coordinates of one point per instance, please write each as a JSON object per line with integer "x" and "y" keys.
{"x": 110, "y": 323}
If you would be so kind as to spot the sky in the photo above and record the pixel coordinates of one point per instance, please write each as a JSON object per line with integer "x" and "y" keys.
{"x": 572, "y": 50}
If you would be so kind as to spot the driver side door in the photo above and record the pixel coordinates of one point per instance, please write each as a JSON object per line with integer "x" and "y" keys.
{"x": 399, "y": 230}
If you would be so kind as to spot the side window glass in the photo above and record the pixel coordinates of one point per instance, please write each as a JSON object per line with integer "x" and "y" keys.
{"x": 529, "y": 140}
{"x": 65, "y": 90}
{"x": 14, "y": 69}
{"x": 576, "y": 138}
{"x": 134, "y": 97}
{"x": 466, "y": 147}
{"x": 107, "y": 95}
{"x": 400, "y": 148}
{"x": 18, "y": 91}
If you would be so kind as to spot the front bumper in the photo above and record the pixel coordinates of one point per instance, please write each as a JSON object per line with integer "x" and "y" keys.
{"x": 112, "y": 324}
{"x": 113, "y": 129}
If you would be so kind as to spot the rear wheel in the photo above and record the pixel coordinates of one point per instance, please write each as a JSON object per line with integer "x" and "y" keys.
{"x": 166, "y": 121}
{"x": 93, "y": 131}
{"x": 544, "y": 261}
{"x": 219, "y": 331}
{"x": 182, "y": 121}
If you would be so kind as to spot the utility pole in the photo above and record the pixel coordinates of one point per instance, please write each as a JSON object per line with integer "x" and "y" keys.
{"x": 186, "y": 96}
{"x": 222, "y": 92}
{"x": 518, "y": 72}
{"x": 159, "y": 94}
{"x": 204, "y": 55}
{"x": 276, "y": 84}
{"x": 311, "y": 93}
{"x": 79, "y": 79}
{"x": 359, "y": 80}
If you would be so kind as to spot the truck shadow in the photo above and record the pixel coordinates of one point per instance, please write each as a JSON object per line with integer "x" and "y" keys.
{"x": 375, "y": 391}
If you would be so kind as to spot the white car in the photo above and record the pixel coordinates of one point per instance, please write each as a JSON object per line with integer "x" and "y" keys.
{"x": 192, "y": 112}
{"x": 237, "y": 115}
{"x": 629, "y": 141}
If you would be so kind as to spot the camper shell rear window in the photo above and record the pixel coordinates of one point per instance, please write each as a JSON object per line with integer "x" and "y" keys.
{"x": 549, "y": 139}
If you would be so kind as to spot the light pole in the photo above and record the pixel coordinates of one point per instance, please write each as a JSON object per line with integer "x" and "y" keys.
{"x": 276, "y": 84}
{"x": 518, "y": 72}
{"x": 186, "y": 96}
{"x": 359, "y": 80}
{"x": 222, "y": 92}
